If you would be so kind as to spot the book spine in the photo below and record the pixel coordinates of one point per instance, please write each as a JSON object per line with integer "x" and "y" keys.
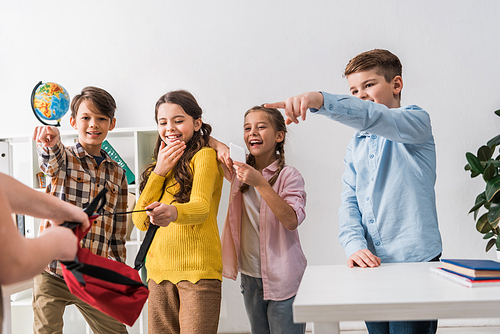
{"x": 457, "y": 279}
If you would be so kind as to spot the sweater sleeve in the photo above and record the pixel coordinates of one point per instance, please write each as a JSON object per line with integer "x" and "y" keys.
{"x": 207, "y": 172}
{"x": 150, "y": 194}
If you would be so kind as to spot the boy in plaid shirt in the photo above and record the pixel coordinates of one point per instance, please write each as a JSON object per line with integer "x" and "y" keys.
{"x": 77, "y": 174}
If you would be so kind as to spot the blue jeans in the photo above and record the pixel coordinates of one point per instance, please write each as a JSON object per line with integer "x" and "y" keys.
{"x": 268, "y": 316}
{"x": 404, "y": 327}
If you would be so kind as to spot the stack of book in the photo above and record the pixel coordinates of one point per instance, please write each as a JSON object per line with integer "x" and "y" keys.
{"x": 470, "y": 273}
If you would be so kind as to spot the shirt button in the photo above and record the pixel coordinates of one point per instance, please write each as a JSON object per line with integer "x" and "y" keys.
{"x": 370, "y": 221}
{"x": 377, "y": 243}
{"x": 368, "y": 198}
{"x": 330, "y": 106}
{"x": 374, "y": 136}
{"x": 371, "y": 156}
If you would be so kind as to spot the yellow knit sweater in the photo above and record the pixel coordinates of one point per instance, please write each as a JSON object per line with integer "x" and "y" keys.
{"x": 189, "y": 248}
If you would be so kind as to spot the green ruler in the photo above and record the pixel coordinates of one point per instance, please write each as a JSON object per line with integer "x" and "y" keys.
{"x": 106, "y": 146}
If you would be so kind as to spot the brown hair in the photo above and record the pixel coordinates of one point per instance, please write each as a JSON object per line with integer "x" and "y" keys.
{"x": 182, "y": 171}
{"x": 98, "y": 101}
{"x": 278, "y": 123}
{"x": 382, "y": 61}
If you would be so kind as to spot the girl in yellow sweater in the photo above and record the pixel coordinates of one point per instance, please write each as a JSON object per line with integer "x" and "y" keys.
{"x": 183, "y": 188}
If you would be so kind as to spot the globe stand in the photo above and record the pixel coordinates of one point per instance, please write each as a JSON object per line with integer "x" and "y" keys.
{"x": 33, "y": 107}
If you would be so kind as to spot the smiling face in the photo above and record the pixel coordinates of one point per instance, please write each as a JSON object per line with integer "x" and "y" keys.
{"x": 371, "y": 86}
{"x": 92, "y": 128}
{"x": 261, "y": 137}
{"x": 175, "y": 124}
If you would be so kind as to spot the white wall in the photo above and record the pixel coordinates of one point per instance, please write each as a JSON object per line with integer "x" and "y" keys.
{"x": 233, "y": 55}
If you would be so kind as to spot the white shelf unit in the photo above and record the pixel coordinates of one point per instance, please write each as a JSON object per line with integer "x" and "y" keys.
{"x": 134, "y": 145}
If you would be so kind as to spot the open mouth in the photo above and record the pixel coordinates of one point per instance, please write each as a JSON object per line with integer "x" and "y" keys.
{"x": 255, "y": 142}
{"x": 93, "y": 133}
{"x": 173, "y": 137}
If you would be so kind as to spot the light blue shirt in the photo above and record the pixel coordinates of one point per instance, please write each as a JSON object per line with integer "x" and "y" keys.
{"x": 388, "y": 199}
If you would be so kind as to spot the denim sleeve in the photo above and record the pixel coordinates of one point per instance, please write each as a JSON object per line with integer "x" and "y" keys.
{"x": 409, "y": 124}
{"x": 351, "y": 230}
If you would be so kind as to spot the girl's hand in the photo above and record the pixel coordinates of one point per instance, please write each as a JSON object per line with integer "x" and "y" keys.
{"x": 47, "y": 135}
{"x": 224, "y": 156}
{"x": 249, "y": 175}
{"x": 168, "y": 156}
{"x": 162, "y": 214}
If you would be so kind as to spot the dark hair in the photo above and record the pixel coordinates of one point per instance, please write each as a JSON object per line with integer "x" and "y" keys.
{"x": 278, "y": 123}
{"x": 98, "y": 101}
{"x": 182, "y": 171}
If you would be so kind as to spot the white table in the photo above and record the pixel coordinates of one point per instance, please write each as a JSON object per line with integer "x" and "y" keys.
{"x": 8, "y": 290}
{"x": 398, "y": 291}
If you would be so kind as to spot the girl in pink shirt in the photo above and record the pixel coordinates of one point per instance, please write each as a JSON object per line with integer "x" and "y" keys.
{"x": 260, "y": 238}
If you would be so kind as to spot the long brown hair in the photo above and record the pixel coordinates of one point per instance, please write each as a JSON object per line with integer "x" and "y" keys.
{"x": 182, "y": 171}
{"x": 278, "y": 123}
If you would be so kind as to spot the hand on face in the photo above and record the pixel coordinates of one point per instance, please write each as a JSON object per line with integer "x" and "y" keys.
{"x": 363, "y": 258}
{"x": 162, "y": 214}
{"x": 47, "y": 135}
{"x": 168, "y": 156}
{"x": 297, "y": 106}
{"x": 247, "y": 174}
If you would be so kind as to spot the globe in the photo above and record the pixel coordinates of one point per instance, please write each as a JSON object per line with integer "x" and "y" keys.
{"x": 50, "y": 102}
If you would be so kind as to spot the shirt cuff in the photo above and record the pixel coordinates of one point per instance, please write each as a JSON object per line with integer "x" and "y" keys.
{"x": 354, "y": 246}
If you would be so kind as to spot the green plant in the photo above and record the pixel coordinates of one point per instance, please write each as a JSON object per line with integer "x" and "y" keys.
{"x": 484, "y": 164}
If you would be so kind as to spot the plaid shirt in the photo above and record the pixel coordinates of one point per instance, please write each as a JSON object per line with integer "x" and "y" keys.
{"x": 76, "y": 178}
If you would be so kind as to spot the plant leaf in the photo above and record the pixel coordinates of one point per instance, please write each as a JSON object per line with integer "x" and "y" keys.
{"x": 474, "y": 163}
{"x": 484, "y": 153}
{"x": 488, "y": 235}
{"x": 474, "y": 174}
{"x": 492, "y": 187}
{"x": 497, "y": 112}
{"x": 498, "y": 243}
{"x": 489, "y": 172}
{"x": 480, "y": 200}
{"x": 483, "y": 225}
{"x": 494, "y": 214}
{"x": 495, "y": 163}
{"x": 490, "y": 244}
{"x": 493, "y": 141}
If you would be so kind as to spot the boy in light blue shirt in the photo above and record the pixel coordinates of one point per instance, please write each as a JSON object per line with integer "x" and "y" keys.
{"x": 388, "y": 211}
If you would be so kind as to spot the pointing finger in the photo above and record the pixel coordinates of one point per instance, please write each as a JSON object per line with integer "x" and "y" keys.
{"x": 280, "y": 105}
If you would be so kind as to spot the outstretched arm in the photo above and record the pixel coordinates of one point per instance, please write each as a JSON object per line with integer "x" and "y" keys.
{"x": 297, "y": 106}
{"x": 22, "y": 258}
{"x": 24, "y": 200}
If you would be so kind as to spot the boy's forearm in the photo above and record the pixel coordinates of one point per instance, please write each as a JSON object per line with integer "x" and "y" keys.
{"x": 50, "y": 159}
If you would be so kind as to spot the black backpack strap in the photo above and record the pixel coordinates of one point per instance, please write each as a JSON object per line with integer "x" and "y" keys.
{"x": 148, "y": 238}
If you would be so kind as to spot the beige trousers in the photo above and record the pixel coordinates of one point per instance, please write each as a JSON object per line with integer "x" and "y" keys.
{"x": 51, "y": 296}
{"x": 184, "y": 307}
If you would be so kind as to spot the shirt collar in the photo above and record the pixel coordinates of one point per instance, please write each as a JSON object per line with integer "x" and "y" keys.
{"x": 272, "y": 168}
{"x": 363, "y": 134}
{"x": 80, "y": 152}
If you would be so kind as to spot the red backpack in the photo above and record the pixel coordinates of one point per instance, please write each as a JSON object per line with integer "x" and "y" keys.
{"x": 112, "y": 287}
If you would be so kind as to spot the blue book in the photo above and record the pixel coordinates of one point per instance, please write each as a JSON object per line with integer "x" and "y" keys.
{"x": 473, "y": 269}
{"x": 462, "y": 280}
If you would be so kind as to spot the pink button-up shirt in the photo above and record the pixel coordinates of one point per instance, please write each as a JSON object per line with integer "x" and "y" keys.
{"x": 282, "y": 260}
